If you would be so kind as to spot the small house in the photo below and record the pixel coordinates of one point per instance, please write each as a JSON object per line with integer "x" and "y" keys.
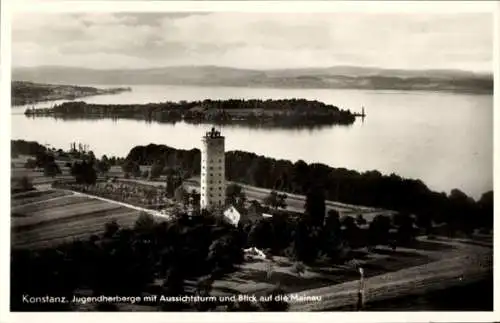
{"x": 235, "y": 215}
{"x": 232, "y": 215}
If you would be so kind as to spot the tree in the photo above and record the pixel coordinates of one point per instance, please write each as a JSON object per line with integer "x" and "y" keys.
{"x": 224, "y": 252}
{"x": 485, "y": 211}
{"x": 156, "y": 169}
{"x": 144, "y": 223}
{"x": 130, "y": 167}
{"x": 332, "y": 239}
{"x": 145, "y": 174}
{"x": 235, "y": 195}
{"x": 261, "y": 234}
{"x": 43, "y": 158}
{"x": 111, "y": 228}
{"x": 91, "y": 157}
{"x": 84, "y": 173}
{"x": 51, "y": 169}
{"x": 173, "y": 181}
{"x": 30, "y": 163}
{"x": 103, "y": 166}
{"x": 351, "y": 231}
{"x": 275, "y": 200}
{"x": 404, "y": 224}
{"x": 315, "y": 206}
{"x": 378, "y": 231}
{"x": 305, "y": 242}
{"x": 181, "y": 196}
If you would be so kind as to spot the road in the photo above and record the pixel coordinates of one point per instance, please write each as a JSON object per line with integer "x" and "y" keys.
{"x": 294, "y": 202}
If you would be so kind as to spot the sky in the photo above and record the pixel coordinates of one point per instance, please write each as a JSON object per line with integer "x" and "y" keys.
{"x": 254, "y": 40}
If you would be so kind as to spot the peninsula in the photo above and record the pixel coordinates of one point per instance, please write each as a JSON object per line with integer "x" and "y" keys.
{"x": 29, "y": 92}
{"x": 279, "y": 113}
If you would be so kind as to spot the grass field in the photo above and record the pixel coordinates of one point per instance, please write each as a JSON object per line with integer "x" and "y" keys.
{"x": 48, "y": 218}
{"x": 429, "y": 266}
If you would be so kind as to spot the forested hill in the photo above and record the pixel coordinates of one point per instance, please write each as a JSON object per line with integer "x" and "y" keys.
{"x": 339, "y": 184}
{"x": 337, "y": 77}
{"x": 29, "y": 92}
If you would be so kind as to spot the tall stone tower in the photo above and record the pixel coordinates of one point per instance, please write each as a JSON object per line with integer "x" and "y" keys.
{"x": 213, "y": 179}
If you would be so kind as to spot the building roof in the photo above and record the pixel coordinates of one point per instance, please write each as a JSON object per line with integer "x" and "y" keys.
{"x": 213, "y": 134}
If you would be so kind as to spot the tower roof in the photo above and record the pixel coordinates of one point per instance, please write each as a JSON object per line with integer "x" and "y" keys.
{"x": 213, "y": 134}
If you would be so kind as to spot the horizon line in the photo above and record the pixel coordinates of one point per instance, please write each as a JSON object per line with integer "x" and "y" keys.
{"x": 477, "y": 72}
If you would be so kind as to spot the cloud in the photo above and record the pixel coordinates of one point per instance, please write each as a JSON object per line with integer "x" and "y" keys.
{"x": 251, "y": 40}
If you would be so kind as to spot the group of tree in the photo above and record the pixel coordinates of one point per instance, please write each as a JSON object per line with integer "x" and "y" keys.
{"x": 320, "y": 234}
{"x": 338, "y": 184}
{"x": 23, "y": 147}
{"x": 126, "y": 261}
{"x": 84, "y": 172}
{"x": 46, "y": 161}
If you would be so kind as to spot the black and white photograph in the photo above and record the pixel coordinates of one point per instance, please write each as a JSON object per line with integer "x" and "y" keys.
{"x": 223, "y": 160}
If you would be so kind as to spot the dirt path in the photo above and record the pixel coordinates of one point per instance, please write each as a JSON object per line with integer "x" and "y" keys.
{"x": 467, "y": 264}
{"x": 130, "y": 206}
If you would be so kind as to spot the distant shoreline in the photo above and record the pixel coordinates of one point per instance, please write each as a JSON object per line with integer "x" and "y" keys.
{"x": 336, "y": 77}
{"x": 24, "y": 93}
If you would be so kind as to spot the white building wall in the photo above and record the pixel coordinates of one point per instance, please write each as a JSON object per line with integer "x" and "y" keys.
{"x": 232, "y": 215}
{"x": 212, "y": 183}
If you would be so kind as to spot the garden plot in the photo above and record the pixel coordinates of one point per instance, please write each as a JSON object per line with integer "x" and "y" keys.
{"x": 57, "y": 233}
{"x": 48, "y": 218}
{"x": 36, "y": 196}
{"x": 34, "y": 208}
{"x": 53, "y": 214}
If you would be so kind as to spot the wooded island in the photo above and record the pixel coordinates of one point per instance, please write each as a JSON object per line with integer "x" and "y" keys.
{"x": 285, "y": 112}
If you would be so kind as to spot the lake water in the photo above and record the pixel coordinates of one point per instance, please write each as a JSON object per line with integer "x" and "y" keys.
{"x": 444, "y": 139}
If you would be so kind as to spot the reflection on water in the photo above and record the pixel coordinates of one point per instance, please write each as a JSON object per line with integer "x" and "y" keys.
{"x": 444, "y": 139}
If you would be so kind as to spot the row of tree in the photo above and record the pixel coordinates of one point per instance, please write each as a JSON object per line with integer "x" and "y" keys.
{"x": 370, "y": 188}
{"x": 338, "y": 184}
